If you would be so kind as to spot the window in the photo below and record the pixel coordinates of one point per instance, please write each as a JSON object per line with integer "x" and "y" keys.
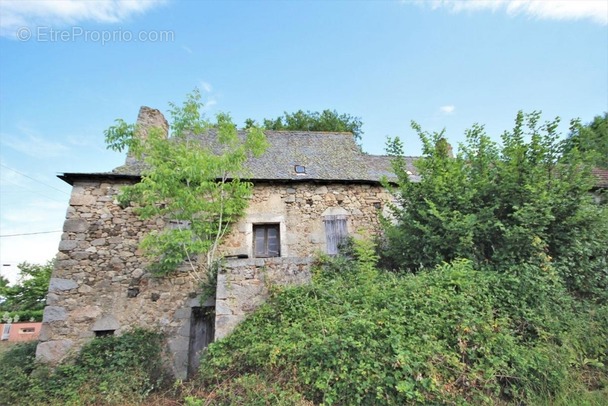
{"x": 6, "y": 332}
{"x": 336, "y": 232}
{"x": 27, "y": 330}
{"x": 104, "y": 333}
{"x": 266, "y": 241}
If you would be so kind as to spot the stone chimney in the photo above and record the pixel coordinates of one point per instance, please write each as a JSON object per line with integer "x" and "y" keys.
{"x": 445, "y": 147}
{"x": 147, "y": 119}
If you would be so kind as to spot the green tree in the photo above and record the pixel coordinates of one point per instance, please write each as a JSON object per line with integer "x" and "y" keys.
{"x": 327, "y": 120}
{"x": 591, "y": 138}
{"x": 526, "y": 202}
{"x": 195, "y": 180}
{"x": 29, "y": 294}
{"x": 3, "y": 285}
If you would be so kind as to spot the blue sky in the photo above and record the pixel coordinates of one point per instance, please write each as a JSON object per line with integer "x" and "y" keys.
{"x": 69, "y": 68}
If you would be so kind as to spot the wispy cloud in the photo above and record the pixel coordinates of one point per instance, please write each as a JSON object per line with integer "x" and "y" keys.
{"x": 449, "y": 109}
{"x": 32, "y": 144}
{"x": 206, "y": 87}
{"x": 594, "y": 10}
{"x": 208, "y": 94}
{"x": 28, "y": 13}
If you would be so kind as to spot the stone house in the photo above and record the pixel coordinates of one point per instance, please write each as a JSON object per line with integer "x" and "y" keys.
{"x": 310, "y": 191}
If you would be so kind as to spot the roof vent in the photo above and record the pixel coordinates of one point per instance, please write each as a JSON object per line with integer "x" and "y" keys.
{"x": 300, "y": 170}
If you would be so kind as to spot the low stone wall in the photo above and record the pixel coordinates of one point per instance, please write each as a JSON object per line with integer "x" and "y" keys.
{"x": 243, "y": 285}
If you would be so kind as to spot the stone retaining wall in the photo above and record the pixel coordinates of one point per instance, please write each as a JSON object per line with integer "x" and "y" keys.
{"x": 243, "y": 285}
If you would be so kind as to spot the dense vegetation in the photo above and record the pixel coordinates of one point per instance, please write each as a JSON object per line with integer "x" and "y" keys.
{"x": 490, "y": 287}
{"x": 448, "y": 335}
{"x": 112, "y": 370}
{"x": 502, "y": 207}
{"x": 327, "y": 120}
{"x": 26, "y": 299}
{"x": 592, "y": 138}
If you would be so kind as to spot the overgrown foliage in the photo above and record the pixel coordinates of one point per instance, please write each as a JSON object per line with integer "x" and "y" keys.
{"x": 327, "y": 120}
{"x": 450, "y": 335}
{"x": 501, "y": 206}
{"x": 111, "y": 371}
{"x": 25, "y": 300}
{"x": 591, "y": 138}
{"x": 198, "y": 187}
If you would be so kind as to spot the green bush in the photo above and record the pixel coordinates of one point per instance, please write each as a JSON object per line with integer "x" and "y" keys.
{"x": 16, "y": 365}
{"x": 449, "y": 335}
{"x": 110, "y": 370}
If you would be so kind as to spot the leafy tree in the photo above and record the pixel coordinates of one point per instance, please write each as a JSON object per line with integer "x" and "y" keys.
{"x": 521, "y": 203}
{"x": 591, "y": 138}
{"x": 3, "y": 285}
{"x": 30, "y": 292}
{"x": 327, "y": 120}
{"x": 198, "y": 187}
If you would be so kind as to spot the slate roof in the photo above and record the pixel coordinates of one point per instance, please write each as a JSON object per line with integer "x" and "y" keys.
{"x": 602, "y": 177}
{"x": 326, "y": 156}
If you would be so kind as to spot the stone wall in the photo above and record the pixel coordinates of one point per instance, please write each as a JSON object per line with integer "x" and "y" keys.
{"x": 299, "y": 208}
{"x": 100, "y": 282}
{"x": 243, "y": 285}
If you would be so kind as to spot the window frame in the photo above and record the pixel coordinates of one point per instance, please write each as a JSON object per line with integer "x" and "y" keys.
{"x": 266, "y": 227}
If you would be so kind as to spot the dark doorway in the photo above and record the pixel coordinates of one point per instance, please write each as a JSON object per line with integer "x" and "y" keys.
{"x": 201, "y": 335}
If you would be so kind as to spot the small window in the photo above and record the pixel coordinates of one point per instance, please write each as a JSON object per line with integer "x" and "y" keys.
{"x": 336, "y": 232}
{"x": 104, "y": 333}
{"x": 266, "y": 240}
{"x": 300, "y": 170}
{"x": 27, "y": 330}
{"x": 6, "y": 332}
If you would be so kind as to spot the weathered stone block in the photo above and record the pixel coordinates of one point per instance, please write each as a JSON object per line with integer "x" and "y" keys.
{"x": 108, "y": 322}
{"x": 82, "y": 200}
{"x": 58, "y": 284}
{"x": 85, "y": 289}
{"x": 87, "y": 313}
{"x": 222, "y": 308}
{"x": 67, "y": 245}
{"x": 221, "y": 292}
{"x": 53, "y": 351}
{"x": 98, "y": 241}
{"x": 75, "y": 225}
{"x": 54, "y": 313}
{"x": 183, "y": 313}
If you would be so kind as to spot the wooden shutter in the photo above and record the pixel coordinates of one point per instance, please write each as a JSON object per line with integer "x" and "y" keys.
{"x": 336, "y": 232}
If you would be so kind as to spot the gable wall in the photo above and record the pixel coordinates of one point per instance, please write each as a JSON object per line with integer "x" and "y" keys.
{"x": 100, "y": 280}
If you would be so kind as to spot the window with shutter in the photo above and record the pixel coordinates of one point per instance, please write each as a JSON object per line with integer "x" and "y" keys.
{"x": 336, "y": 232}
{"x": 266, "y": 240}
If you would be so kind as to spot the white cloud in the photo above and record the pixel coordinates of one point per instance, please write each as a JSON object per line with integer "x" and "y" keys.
{"x": 28, "y": 13}
{"x": 34, "y": 145}
{"x": 206, "y": 87}
{"x": 595, "y": 10}
{"x": 449, "y": 109}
